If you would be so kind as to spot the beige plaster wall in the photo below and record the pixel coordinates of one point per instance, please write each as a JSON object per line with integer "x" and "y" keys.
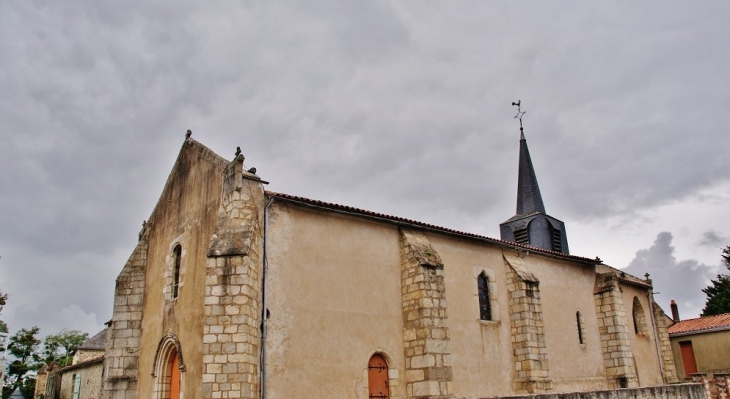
{"x": 566, "y": 288}
{"x": 482, "y": 351}
{"x": 712, "y": 352}
{"x": 91, "y": 379}
{"x": 643, "y": 346}
{"x": 186, "y": 213}
{"x": 334, "y": 294}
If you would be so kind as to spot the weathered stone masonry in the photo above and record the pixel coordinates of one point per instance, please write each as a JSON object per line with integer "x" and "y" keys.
{"x": 527, "y": 328}
{"x": 612, "y": 325}
{"x": 665, "y": 347}
{"x": 425, "y": 334}
{"x": 121, "y": 363}
{"x": 231, "y": 333}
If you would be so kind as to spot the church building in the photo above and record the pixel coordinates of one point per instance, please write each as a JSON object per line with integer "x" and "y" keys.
{"x": 234, "y": 291}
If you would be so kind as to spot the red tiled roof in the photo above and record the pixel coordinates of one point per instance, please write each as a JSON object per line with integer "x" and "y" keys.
{"x": 701, "y": 324}
{"x": 397, "y": 219}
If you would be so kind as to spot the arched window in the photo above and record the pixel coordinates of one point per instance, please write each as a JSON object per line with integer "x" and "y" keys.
{"x": 485, "y": 308}
{"x": 168, "y": 368}
{"x": 378, "y": 382}
{"x": 177, "y": 253}
{"x": 579, "y": 324}
{"x": 640, "y": 326}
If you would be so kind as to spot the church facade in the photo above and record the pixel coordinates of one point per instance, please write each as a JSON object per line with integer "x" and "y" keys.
{"x": 234, "y": 291}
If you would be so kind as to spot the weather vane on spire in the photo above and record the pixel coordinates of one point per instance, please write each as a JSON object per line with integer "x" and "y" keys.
{"x": 519, "y": 112}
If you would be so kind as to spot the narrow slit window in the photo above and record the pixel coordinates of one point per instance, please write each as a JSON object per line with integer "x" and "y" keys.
{"x": 485, "y": 308}
{"x": 579, "y": 323}
{"x": 176, "y": 272}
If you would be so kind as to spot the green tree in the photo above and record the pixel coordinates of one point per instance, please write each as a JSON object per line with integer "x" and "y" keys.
{"x": 3, "y": 301}
{"x": 718, "y": 293}
{"x": 24, "y": 346}
{"x": 61, "y": 347}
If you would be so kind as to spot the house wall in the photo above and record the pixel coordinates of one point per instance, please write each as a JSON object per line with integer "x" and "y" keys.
{"x": 91, "y": 380}
{"x": 186, "y": 214}
{"x": 712, "y": 352}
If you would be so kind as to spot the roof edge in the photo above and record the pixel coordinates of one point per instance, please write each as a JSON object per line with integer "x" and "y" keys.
{"x": 700, "y": 331}
{"x": 400, "y": 221}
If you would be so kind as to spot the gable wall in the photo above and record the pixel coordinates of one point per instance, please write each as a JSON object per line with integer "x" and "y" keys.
{"x": 186, "y": 213}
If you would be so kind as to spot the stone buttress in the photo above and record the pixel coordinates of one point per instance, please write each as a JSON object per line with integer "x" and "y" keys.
{"x": 121, "y": 361}
{"x": 613, "y": 328}
{"x": 527, "y": 328}
{"x": 231, "y": 329}
{"x": 425, "y": 334}
{"x": 669, "y": 370}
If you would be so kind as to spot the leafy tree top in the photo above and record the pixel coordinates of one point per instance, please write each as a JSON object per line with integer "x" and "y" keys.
{"x": 62, "y": 346}
{"x": 718, "y": 292}
{"x": 3, "y": 301}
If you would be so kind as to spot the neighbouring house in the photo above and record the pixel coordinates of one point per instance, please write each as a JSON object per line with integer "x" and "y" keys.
{"x": 701, "y": 345}
{"x": 82, "y": 379}
{"x": 234, "y": 291}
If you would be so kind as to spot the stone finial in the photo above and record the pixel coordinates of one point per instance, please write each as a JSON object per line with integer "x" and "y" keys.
{"x": 188, "y": 134}
{"x": 239, "y": 158}
{"x": 141, "y": 232}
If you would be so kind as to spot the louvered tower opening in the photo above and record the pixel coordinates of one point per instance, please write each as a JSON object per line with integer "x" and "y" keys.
{"x": 557, "y": 240}
{"x": 521, "y": 236}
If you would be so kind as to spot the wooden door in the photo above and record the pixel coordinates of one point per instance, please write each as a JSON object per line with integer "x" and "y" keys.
{"x": 378, "y": 378}
{"x": 175, "y": 377}
{"x": 688, "y": 358}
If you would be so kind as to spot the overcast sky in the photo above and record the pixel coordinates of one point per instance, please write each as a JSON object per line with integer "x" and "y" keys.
{"x": 402, "y": 108}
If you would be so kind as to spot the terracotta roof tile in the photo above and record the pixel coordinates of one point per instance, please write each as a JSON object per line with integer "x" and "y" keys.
{"x": 717, "y": 322}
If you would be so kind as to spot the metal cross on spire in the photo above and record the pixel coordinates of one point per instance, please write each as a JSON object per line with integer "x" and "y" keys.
{"x": 519, "y": 112}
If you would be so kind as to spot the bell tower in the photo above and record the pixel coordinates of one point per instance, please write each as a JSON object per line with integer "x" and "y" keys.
{"x": 531, "y": 225}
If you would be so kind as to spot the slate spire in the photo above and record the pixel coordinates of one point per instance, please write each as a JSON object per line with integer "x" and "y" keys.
{"x": 529, "y": 198}
{"x": 531, "y": 225}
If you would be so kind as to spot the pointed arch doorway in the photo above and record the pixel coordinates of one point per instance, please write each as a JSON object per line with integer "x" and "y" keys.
{"x": 378, "y": 383}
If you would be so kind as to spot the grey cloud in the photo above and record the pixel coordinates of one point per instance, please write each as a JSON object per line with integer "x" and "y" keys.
{"x": 681, "y": 280}
{"x": 386, "y": 106}
{"x": 713, "y": 239}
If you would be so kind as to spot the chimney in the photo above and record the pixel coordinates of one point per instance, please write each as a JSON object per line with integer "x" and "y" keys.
{"x": 675, "y": 311}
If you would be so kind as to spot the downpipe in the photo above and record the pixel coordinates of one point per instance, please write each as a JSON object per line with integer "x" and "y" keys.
{"x": 264, "y": 310}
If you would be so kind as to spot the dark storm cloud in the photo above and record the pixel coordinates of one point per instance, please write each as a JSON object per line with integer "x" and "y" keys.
{"x": 713, "y": 239}
{"x": 403, "y": 109}
{"x": 681, "y": 281}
